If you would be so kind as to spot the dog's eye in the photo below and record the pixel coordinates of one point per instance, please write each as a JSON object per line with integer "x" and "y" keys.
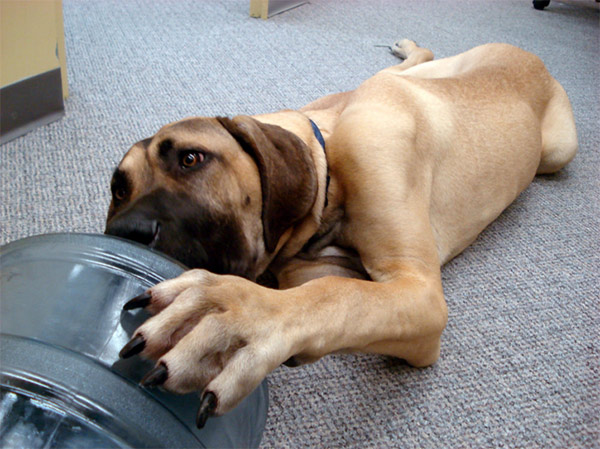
{"x": 190, "y": 159}
{"x": 120, "y": 194}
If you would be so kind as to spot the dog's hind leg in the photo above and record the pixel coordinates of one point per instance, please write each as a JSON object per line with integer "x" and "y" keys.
{"x": 410, "y": 53}
{"x": 559, "y": 137}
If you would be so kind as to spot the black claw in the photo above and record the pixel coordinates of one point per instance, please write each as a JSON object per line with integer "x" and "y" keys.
{"x": 156, "y": 376}
{"x": 208, "y": 405}
{"x": 139, "y": 301}
{"x": 133, "y": 347}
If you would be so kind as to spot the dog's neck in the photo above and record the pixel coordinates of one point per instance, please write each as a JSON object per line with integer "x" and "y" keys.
{"x": 292, "y": 241}
{"x": 322, "y": 116}
{"x": 321, "y": 227}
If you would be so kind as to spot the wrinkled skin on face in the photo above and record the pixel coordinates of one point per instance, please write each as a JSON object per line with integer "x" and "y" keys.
{"x": 213, "y": 193}
{"x": 188, "y": 193}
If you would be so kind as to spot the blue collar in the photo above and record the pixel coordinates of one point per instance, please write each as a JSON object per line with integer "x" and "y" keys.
{"x": 318, "y": 134}
{"x": 319, "y": 137}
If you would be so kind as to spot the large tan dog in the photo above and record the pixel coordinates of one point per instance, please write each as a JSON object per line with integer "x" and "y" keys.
{"x": 419, "y": 159}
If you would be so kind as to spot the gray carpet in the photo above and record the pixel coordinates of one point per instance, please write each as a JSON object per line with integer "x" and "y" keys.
{"x": 520, "y": 360}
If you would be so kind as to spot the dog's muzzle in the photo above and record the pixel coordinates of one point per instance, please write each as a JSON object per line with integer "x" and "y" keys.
{"x": 173, "y": 223}
{"x": 158, "y": 220}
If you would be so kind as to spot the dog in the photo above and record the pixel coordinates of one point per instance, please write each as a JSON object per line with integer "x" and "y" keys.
{"x": 349, "y": 206}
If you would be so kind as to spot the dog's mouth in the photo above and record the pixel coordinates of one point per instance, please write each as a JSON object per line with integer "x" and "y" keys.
{"x": 146, "y": 232}
{"x": 155, "y": 234}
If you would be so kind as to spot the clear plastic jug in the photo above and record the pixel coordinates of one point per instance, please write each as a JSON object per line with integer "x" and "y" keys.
{"x": 62, "y": 326}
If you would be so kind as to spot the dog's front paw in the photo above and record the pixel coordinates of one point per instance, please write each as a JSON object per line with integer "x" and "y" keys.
{"x": 220, "y": 335}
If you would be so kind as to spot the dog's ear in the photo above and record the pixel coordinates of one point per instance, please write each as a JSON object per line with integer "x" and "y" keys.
{"x": 287, "y": 173}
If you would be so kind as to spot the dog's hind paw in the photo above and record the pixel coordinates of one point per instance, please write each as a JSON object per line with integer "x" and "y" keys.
{"x": 403, "y": 48}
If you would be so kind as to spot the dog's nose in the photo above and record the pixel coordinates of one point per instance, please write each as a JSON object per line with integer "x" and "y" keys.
{"x": 141, "y": 230}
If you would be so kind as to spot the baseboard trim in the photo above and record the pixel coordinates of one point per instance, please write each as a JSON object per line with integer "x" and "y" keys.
{"x": 30, "y": 103}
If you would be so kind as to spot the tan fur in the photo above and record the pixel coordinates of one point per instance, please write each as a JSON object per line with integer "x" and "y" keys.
{"x": 422, "y": 157}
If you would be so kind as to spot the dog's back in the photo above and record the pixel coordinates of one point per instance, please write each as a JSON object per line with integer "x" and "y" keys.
{"x": 478, "y": 126}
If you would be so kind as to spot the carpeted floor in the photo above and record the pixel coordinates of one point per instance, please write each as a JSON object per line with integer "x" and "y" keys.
{"x": 520, "y": 361}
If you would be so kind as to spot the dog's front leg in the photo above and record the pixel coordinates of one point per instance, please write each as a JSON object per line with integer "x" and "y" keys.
{"x": 223, "y": 334}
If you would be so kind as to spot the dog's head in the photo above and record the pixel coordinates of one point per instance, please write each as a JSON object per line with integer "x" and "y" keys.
{"x": 214, "y": 193}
